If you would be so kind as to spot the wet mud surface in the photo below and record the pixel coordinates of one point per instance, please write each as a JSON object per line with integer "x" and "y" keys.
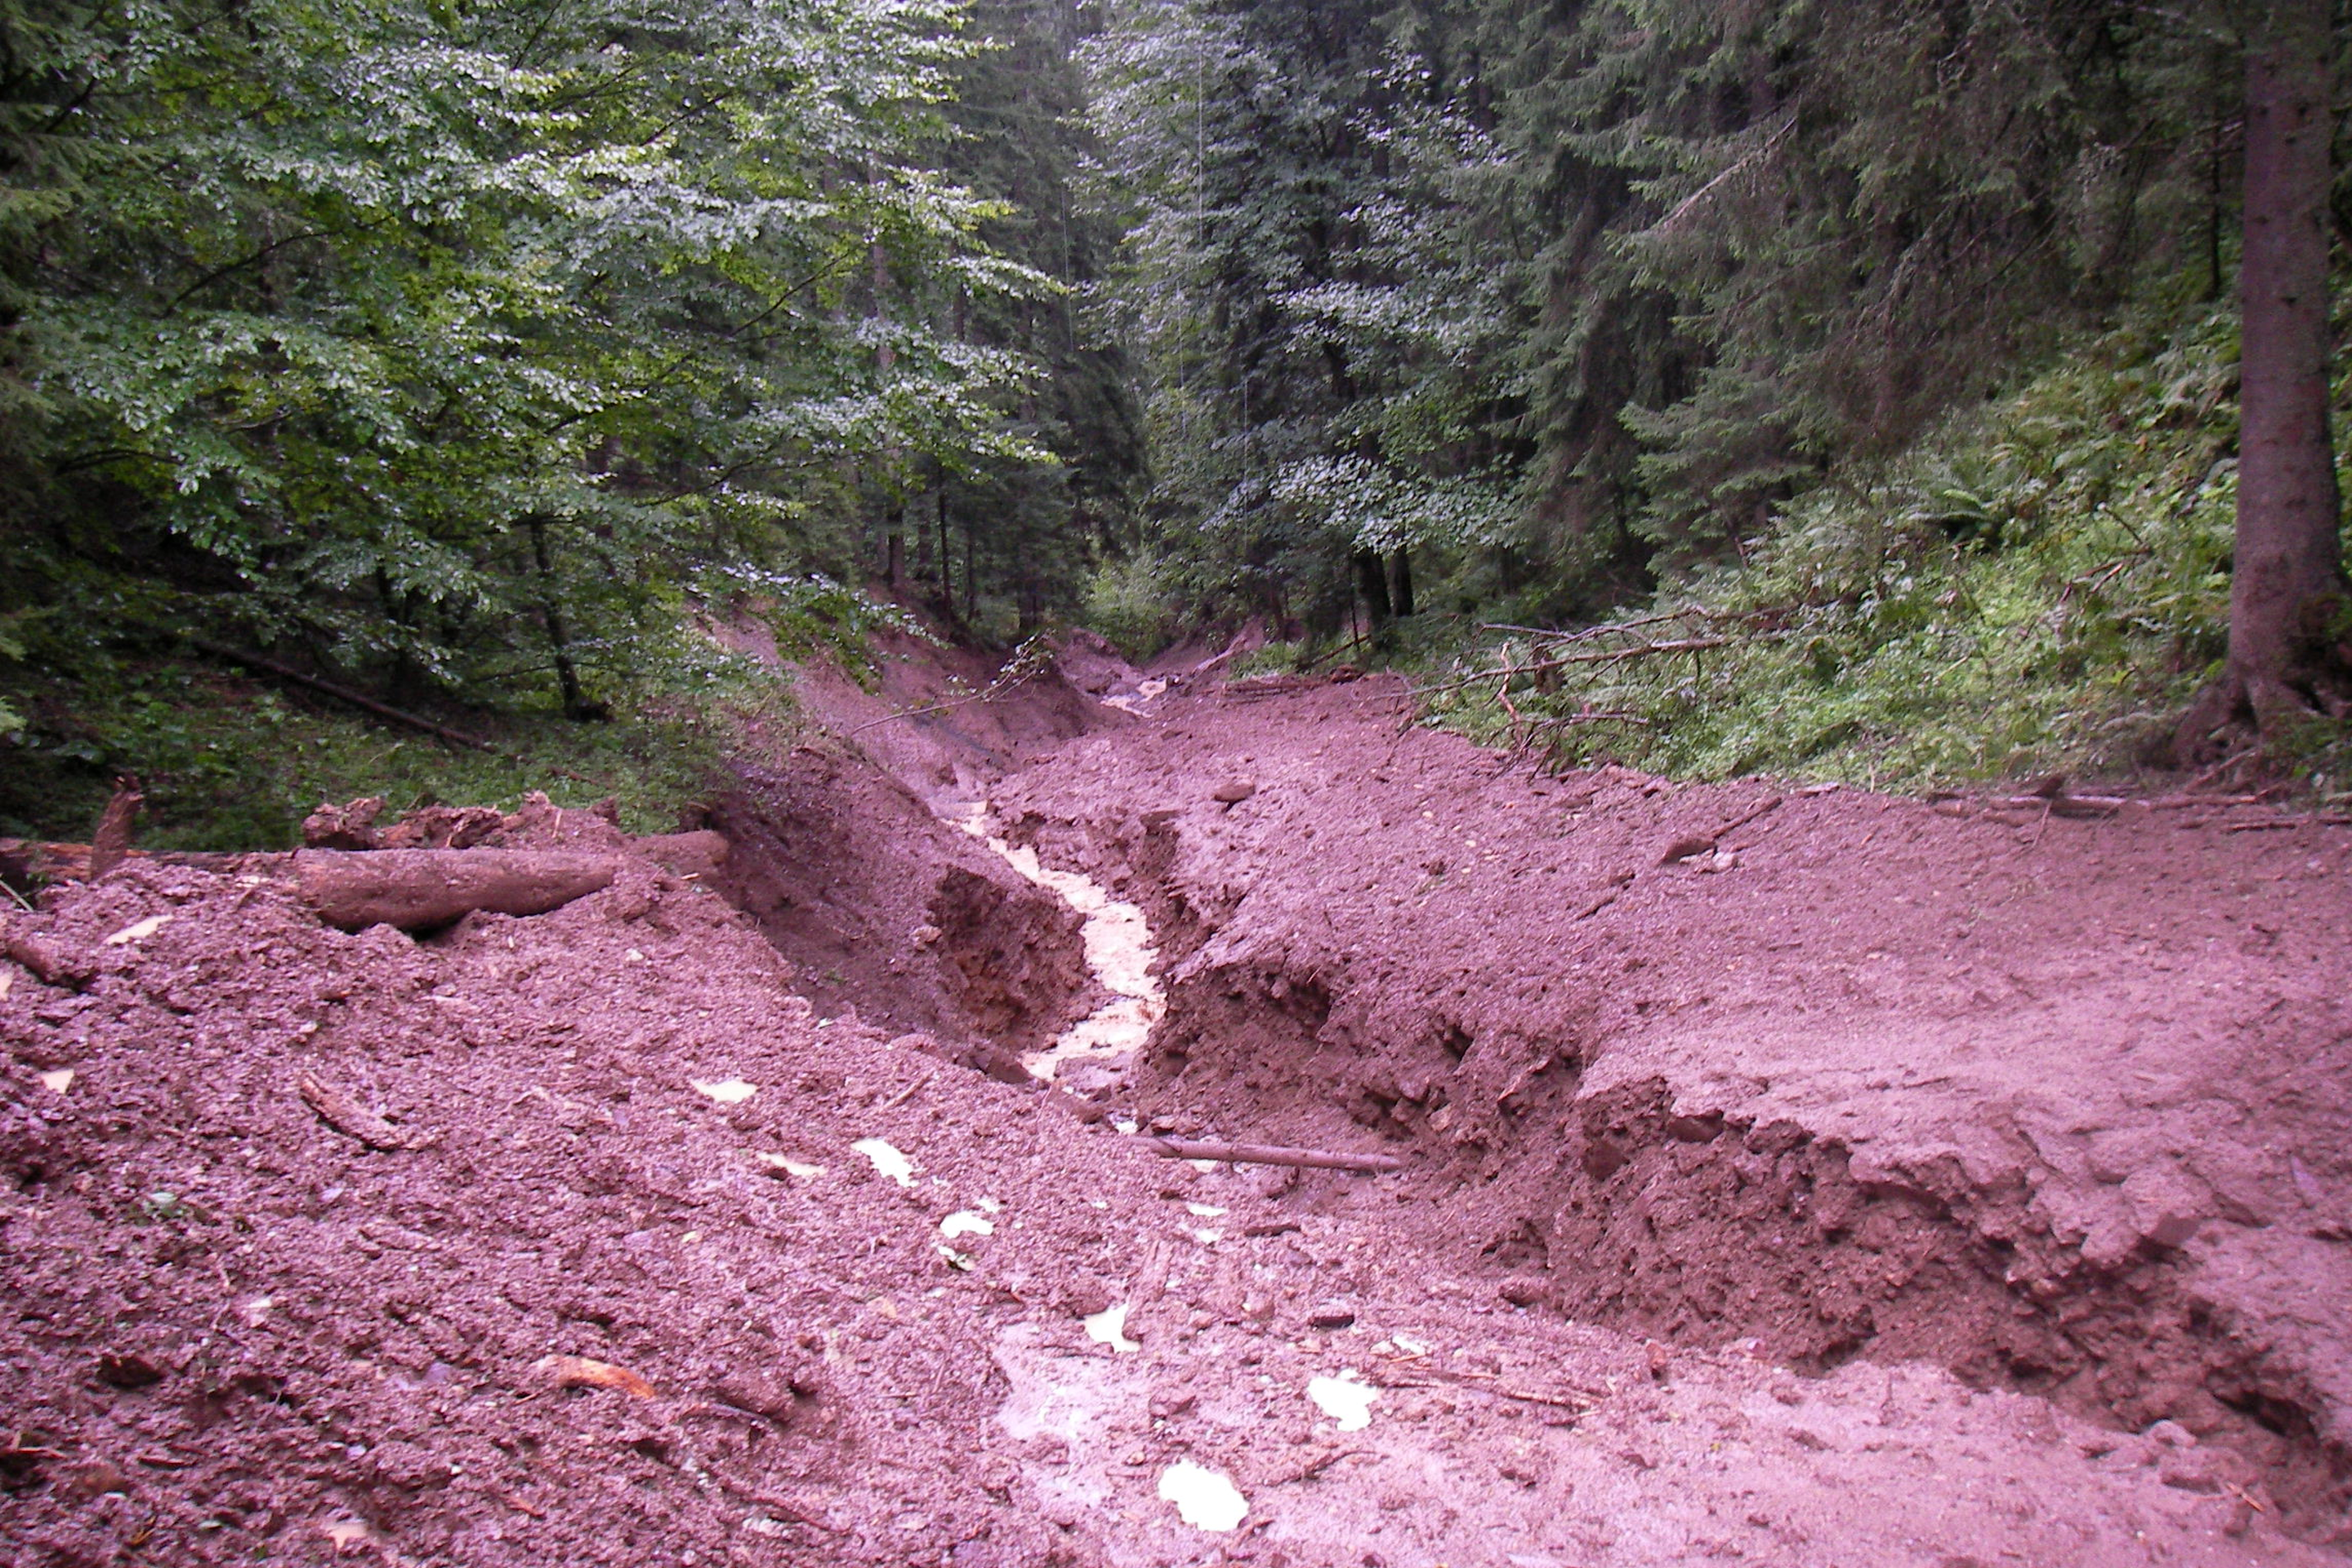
{"x": 1886, "y": 1187}
{"x": 2059, "y": 1105}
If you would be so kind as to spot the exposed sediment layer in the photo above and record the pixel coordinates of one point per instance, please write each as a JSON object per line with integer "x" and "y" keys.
{"x": 2062, "y": 1105}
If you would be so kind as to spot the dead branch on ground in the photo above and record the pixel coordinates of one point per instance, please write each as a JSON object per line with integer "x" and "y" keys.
{"x": 1268, "y": 1155}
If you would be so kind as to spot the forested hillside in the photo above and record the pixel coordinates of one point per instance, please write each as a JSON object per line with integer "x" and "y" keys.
{"x": 473, "y": 361}
{"x": 471, "y": 358}
{"x": 1533, "y": 313}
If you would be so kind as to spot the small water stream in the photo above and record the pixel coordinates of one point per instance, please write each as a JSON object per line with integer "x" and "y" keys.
{"x": 1094, "y": 1052}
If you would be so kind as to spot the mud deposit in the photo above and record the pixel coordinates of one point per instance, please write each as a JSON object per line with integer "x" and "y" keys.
{"x": 1880, "y": 1185}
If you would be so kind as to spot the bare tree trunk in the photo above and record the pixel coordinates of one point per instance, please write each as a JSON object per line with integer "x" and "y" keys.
{"x": 2288, "y": 589}
{"x": 1372, "y": 585}
{"x": 1401, "y": 582}
{"x": 577, "y": 705}
{"x": 946, "y": 563}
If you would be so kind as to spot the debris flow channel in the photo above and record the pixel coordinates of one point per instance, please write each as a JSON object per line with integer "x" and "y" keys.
{"x": 1919, "y": 1187}
{"x": 1097, "y": 1050}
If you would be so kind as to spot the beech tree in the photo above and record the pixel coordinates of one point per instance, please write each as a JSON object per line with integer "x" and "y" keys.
{"x": 2288, "y": 637}
{"x": 456, "y": 346}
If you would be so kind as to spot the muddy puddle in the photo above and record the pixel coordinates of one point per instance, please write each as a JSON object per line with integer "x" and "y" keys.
{"x": 1096, "y": 1052}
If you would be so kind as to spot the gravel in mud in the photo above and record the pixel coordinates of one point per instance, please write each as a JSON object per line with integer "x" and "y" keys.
{"x": 568, "y": 1238}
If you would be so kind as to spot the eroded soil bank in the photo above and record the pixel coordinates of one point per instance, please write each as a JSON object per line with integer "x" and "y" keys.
{"x": 1887, "y": 1186}
{"x": 2058, "y": 1104}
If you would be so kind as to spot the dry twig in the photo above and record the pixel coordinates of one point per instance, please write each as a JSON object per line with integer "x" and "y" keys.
{"x": 1268, "y": 1155}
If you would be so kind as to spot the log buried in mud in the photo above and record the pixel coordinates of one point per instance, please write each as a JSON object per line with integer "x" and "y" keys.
{"x": 1268, "y": 1155}
{"x": 417, "y": 890}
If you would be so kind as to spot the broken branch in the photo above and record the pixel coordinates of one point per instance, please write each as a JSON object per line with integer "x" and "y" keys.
{"x": 1434, "y": 1377}
{"x": 340, "y": 693}
{"x": 111, "y": 845}
{"x": 1268, "y": 1155}
{"x": 345, "y": 1115}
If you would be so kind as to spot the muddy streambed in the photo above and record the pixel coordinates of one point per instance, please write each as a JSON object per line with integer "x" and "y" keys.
{"x": 1093, "y": 1055}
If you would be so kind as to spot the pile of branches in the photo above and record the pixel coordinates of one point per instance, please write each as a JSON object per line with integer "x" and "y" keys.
{"x": 1572, "y": 670}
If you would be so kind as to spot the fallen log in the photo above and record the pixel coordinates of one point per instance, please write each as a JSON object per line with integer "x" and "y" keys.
{"x": 696, "y": 854}
{"x": 34, "y": 861}
{"x": 47, "y": 964}
{"x": 1268, "y": 1155}
{"x": 2079, "y": 806}
{"x": 418, "y": 889}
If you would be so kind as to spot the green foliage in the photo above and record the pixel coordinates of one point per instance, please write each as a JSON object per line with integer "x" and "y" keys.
{"x": 1564, "y": 295}
{"x": 228, "y": 765}
{"x": 1302, "y": 294}
{"x": 1273, "y": 658}
{"x": 1129, "y": 599}
{"x": 2038, "y": 587}
{"x": 485, "y": 356}
{"x": 445, "y": 345}
{"x": 1002, "y": 545}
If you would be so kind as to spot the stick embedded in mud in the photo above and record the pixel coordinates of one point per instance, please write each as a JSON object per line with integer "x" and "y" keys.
{"x": 1268, "y": 1155}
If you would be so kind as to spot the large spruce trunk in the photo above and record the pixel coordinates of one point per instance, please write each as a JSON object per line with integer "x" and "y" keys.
{"x": 2287, "y": 586}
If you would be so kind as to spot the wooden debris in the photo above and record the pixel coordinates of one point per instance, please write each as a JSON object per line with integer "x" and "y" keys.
{"x": 27, "y": 860}
{"x": 1268, "y": 1155}
{"x": 49, "y": 966}
{"x": 344, "y": 1114}
{"x": 110, "y": 846}
{"x": 1688, "y": 845}
{"x": 1314, "y": 1469}
{"x": 1433, "y": 1377}
{"x": 350, "y": 826}
{"x": 785, "y": 1508}
{"x": 2061, "y": 804}
{"x": 580, "y": 1371}
{"x": 1769, "y": 804}
{"x": 696, "y": 854}
{"x": 1691, "y": 844}
{"x": 19, "y": 1456}
{"x": 418, "y": 889}
{"x": 1257, "y": 687}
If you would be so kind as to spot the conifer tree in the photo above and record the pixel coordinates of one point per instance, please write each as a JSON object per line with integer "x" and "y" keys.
{"x": 2290, "y": 634}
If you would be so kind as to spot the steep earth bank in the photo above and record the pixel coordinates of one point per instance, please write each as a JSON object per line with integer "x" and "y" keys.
{"x": 2060, "y": 1104}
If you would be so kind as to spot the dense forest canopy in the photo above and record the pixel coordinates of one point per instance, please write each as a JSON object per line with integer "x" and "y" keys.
{"x": 1629, "y": 273}
{"x": 1526, "y": 310}
{"x": 466, "y": 346}
{"x": 482, "y": 354}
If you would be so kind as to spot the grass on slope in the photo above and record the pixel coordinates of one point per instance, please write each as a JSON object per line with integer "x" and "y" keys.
{"x": 229, "y": 762}
{"x": 2041, "y": 586}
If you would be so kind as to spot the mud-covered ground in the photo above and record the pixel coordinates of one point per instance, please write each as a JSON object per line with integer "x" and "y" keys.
{"x": 1887, "y": 1184}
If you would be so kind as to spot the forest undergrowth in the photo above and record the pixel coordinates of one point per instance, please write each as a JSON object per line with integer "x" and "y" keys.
{"x": 2038, "y": 585}
{"x": 231, "y": 759}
